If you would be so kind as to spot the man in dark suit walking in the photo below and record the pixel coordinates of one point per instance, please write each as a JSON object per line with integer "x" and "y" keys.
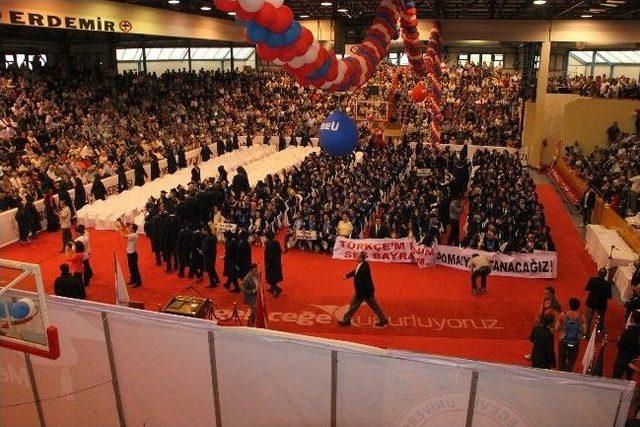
{"x": 364, "y": 293}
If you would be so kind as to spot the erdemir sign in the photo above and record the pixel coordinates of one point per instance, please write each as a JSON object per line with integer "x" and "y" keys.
{"x": 33, "y": 19}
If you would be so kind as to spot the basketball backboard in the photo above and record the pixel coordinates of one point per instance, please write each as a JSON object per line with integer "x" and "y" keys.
{"x": 24, "y": 323}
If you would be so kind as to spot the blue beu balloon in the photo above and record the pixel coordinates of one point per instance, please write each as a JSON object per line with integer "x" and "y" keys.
{"x": 338, "y": 134}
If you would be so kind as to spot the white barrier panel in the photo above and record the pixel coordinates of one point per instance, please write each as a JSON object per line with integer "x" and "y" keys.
{"x": 16, "y": 395}
{"x": 392, "y": 387}
{"x": 81, "y": 374}
{"x": 272, "y": 381}
{"x": 166, "y": 371}
{"x": 165, "y": 377}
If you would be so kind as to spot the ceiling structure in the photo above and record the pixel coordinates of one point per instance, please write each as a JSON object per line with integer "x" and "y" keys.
{"x": 440, "y": 9}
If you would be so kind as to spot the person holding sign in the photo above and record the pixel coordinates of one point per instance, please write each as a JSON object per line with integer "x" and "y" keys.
{"x": 364, "y": 293}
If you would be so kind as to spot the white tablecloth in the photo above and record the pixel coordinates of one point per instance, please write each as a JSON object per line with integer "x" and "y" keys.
{"x": 622, "y": 279}
{"x": 600, "y": 240}
{"x": 103, "y": 214}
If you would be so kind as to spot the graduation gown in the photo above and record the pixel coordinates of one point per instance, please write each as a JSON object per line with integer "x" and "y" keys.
{"x": 139, "y": 173}
{"x": 155, "y": 167}
{"x": 98, "y": 190}
{"x": 182, "y": 158}
{"x": 230, "y": 254}
{"x": 205, "y": 153}
{"x": 243, "y": 258}
{"x": 171, "y": 160}
{"x": 273, "y": 262}
{"x": 122, "y": 179}
{"x": 80, "y": 194}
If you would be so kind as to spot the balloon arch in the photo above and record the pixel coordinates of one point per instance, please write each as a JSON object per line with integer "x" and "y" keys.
{"x": 282, "y": 40}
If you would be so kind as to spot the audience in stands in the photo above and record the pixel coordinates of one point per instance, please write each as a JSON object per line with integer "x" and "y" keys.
{"x": 613, "y": 170}
{"x": 504, "y": 212}
{"x": 56, "y": 128}
{"x": 599, "y": 86}
{"x": 481, "y": 105}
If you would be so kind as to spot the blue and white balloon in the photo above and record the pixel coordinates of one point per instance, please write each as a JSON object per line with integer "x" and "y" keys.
{"x": 339, "y": 134}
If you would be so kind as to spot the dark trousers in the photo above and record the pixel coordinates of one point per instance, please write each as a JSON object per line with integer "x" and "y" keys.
{"x": 567, "y": 355}
{"x": 589, "y": 318}
{"x": 183, "y": 262}
{"x": 213, "y": 277}
{"x": 454, "y": 233}
{"x": 134, "y": 272}
{"x": 66, "y": 237}
{"x": 88, "y": 272}
{"x": 621, "y": 367}
{"x": 355, "y": 304}
{"x": 158, "y": 255}
{"x": 481, "y": 272}
{"x": 171, "y": 258}
{"x": 586, "y": 215}
{"x": 274, "y": 286}
{"x": 80, "y": 278}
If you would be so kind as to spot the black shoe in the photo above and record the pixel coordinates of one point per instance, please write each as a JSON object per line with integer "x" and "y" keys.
{"x": 226, "y": 285}
{"x": 137, "y": 285}
{"x": 277, "y": 292}
{"x": 483, "y": 290}
{"x": 344, "y": 323}
{"x": 381, "y": 324}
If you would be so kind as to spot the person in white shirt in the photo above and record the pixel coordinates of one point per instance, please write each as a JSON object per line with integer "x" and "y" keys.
{"x": 479, "y": 266}
{"x": 130, "y": 232}
{"x": 64, "y": 215}
{"x": 82, "y": 235}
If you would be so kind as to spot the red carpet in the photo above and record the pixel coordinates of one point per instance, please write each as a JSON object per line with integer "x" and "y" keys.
{"x": 431, "y": 310}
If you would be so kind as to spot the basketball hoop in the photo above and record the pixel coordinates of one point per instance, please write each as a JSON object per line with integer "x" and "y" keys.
{"x": 24, "y": 322}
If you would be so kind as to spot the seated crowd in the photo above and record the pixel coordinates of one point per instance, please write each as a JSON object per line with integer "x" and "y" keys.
{"x": 58, "y": 129}
{"x": 613, "y": 171}
{"x": 504, "y": 212}
{"x": 481, "y": 105}
{"x": 599, "y": 86}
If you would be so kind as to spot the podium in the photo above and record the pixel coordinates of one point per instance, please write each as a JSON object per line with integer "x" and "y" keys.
{"x": 189, "y": 306}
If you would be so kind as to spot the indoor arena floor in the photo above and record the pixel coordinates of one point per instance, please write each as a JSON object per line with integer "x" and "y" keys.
{"x": 431, "y": 310}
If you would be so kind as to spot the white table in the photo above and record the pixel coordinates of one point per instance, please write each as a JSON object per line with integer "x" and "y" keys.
{"x": 622, "y": 279}
{"x": 600, "y": 240}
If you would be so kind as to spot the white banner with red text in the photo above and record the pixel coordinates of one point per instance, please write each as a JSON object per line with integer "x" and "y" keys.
{"x": 536, "y": 265}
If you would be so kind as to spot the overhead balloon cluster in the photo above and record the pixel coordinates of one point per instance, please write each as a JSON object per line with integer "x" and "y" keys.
{"x": 410, "y": 35}
{"x": 434, "y": 96}
{"x": 281, "y": 39}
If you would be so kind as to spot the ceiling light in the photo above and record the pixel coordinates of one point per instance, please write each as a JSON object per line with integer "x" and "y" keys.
{"x": 586, "y": 15}
{"x": 205, "y": 8}
{"x": 174, "y": 1}
{"x": 609, "y": 4}
{"x": 539, "y": 2}
{"x": 304, "y": 16}
{"x": 326, "y": 3}
{"x": 343, "y": 10}
{"x": 231, "y": 13}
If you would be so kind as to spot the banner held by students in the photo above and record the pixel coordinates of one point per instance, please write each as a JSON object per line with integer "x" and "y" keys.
{"x": 538, "y": 265}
